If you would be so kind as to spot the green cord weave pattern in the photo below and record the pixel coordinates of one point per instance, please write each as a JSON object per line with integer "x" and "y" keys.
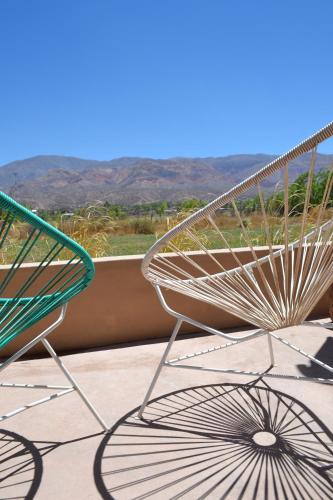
{"x": 62, "y": 269}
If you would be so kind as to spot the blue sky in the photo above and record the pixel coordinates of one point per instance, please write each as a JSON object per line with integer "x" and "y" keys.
{"x": 105, "y": 78}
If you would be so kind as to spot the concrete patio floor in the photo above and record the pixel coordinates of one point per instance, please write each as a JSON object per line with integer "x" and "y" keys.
{"x": 198, "y": 442}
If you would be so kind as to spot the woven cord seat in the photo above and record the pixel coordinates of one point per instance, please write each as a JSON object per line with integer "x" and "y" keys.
{"x": 28, "y": 293}
{"x": 287, "y": 208}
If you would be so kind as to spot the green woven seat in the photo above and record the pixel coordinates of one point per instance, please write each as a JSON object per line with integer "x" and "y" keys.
{"x": 25, "y": 238}
{"x": 28, "y": 293}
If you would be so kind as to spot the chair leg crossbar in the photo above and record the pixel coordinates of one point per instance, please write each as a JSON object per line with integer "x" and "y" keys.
{"x": 62, "y": 390}
{"x": 178, "y": 362}
{"x": 34, "y": 403}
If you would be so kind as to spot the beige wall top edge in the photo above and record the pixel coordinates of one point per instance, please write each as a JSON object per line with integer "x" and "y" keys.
{"x": 118, "y": 258}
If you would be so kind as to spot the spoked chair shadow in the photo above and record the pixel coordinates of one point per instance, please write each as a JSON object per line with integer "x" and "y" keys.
{"x": 218, "y": 441}
{"x": 21, "y": 467}
{"x": 21, "y": 463}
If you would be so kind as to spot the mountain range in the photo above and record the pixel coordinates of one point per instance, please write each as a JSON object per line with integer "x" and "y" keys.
{"x": 52, "y": 182}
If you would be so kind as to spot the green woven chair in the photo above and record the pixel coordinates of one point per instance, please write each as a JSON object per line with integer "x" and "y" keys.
{"x": 28, "y": 293}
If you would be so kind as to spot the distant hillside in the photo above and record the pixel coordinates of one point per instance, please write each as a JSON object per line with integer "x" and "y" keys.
{"x": 66, "y": 182}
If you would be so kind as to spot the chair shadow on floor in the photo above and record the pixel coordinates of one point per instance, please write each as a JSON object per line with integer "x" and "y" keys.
{"x": 21, "y": 463}
{"x": 325, "y": 354}
{"x": 218, "y": 441}
{"x": 21, "y": 466}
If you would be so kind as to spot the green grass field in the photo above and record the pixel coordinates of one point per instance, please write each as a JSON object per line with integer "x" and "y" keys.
{"x": 130, "y": 244}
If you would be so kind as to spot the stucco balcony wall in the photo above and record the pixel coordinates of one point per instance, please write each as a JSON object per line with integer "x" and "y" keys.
{"x": 121, "y": 306}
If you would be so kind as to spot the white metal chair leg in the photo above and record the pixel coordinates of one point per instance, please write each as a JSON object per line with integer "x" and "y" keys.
{"x": 63, "y": 389}
{"x": 37, "y": 339}
{"x": 233, "y": 340}
{"x": 303, "y": 353}
{"x": 74, "y": 383}
{"x": 160, "y": 366}
{"x": 270, "y": 348}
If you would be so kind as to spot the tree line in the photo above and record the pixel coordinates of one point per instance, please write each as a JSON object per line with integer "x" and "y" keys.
{"x": 275, "y": 203}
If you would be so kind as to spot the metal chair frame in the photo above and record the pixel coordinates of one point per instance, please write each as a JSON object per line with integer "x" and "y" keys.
{"x": 62, "y": 390}
{"x": 232, "y": 341}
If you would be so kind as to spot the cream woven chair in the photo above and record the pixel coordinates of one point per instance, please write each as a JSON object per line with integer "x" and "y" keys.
{"x": 286, "y": 208}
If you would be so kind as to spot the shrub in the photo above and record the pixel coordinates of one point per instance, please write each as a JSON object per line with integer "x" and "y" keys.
{"x": 142, "y": 226}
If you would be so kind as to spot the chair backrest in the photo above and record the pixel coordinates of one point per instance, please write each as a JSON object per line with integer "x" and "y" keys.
{"x": 29, "y": 292}
{"x": 287, "y": 207}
